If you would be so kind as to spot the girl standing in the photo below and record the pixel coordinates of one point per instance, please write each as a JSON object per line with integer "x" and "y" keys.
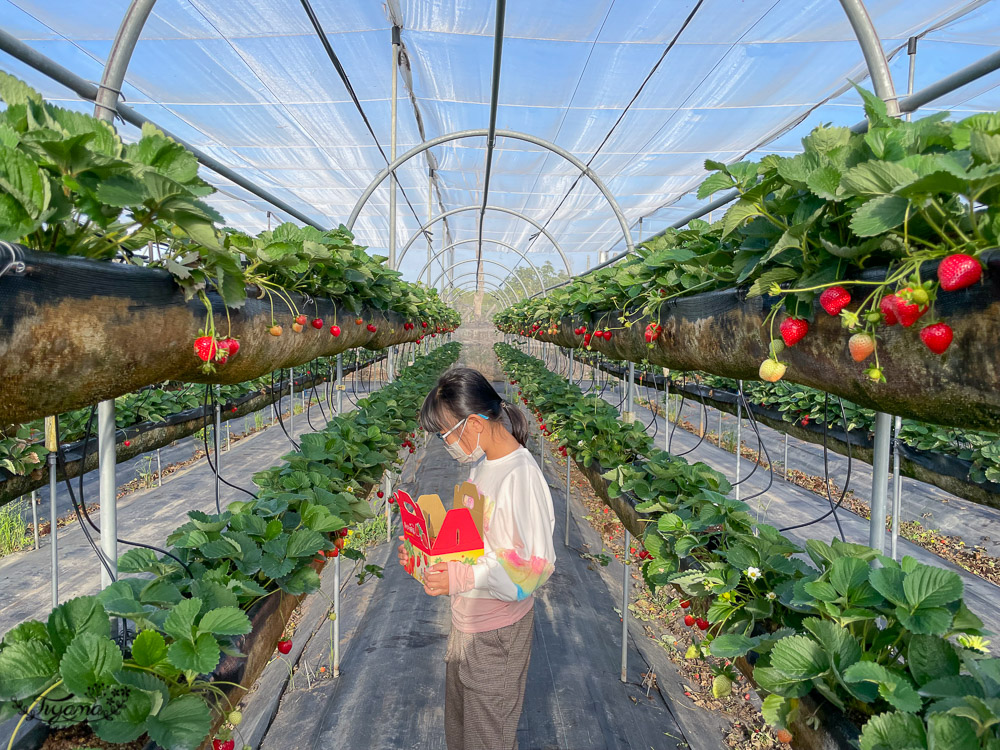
{"x": 489, "y": 647}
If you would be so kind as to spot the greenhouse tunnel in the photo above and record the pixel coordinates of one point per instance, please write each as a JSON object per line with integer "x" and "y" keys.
{"x": 735, "y": 264}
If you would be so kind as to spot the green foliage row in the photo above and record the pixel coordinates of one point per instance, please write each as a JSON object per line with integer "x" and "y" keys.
{"x": 69, "y": 185}
{"x": 890, "y": 642}
{"x": 68, "y": 669}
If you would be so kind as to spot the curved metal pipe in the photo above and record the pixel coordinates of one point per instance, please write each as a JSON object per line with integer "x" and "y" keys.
{"x": 495, "y": 291}
{"x": 871, "y": 47}
{"x": 495, "y": 242}
{"x": 471, "y": 275}
{"x": 501, "y": 209}
{"x": 527, "y": 138}
{"x": 485, "y": 260}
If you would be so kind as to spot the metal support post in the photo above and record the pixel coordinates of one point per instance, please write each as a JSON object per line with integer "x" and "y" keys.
{"x": 784, "y": 464}
{"x": 666, "y": 408}
{"x": 340, "y": 384}
{"x": 108, "y": 487}
{"x": 336, "y": 613}
{"x": 629, "y": 415}
{"x": 393, "y": 183}
{"x": 739, "y": 437}
{"x": 387, "y": 489}
{"x": 291, "y": 402}
{"x": 897, "y": 491}
{"x": 34, "y": 514}
{"x": 159, "y": 469}
{"x": 625, "y": 597}
{"x": 217, "y": 441}
{"x": 53, "y": 529}
{"x": 880, "y": 479}
{"x": 228, "y": 443}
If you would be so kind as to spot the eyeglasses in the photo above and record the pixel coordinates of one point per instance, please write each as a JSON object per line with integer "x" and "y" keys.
{"x": 446, "y": 434}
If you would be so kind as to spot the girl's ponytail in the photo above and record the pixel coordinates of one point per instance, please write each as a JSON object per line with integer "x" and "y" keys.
{"x": 462, "y": 391}
{"x": 519, "y": 426}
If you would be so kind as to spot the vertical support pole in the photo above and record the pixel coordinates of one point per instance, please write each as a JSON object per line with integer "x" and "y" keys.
{"x": 340, "y": 384}
{"x": 569, "y": 459}
{"x": 629, "y": 415}
{"x": 159, "y": 469}
{"x": 291, "y": 402}
{"x": 625, "y": 597}
{"x": 739, "y": 436}
{"x": 392, "y": 146}
{"x": 387, "y": 478}
{"x": 897, "y": 491}
{"x": 217, "y": 440}
{"x": 911, "y": 50}
{"x": 34, "y": 514}
{"x": 228, "y": 443}
{"x": 880, "y": 480}
{"x": 109, "y": 504}
{"x": 336, "y": 613}
{"x": 666, "y": 408}
{"x": 430, "y": 215}
{"x": 53, "y": 530}
{"x": 784, "y": 463}
{"x": 720, "y": 429}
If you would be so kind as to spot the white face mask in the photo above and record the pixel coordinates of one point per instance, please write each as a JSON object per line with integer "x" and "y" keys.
{"x": 458, "y": 453}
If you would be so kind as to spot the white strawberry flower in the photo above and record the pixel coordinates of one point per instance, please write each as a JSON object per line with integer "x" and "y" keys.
{"x": 752, "y": 573}
{"x": 771, "y": 595}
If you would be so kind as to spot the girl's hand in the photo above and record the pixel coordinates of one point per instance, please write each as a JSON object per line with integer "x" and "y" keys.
{"x": 436, "y": 580}
{"x": 404, "y": 558}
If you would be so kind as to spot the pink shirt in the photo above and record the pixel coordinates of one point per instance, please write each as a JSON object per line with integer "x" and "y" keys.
{"x": 518, "y": 523}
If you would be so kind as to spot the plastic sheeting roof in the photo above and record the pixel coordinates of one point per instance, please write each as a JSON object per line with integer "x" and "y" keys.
{"x": 622, "y": 84}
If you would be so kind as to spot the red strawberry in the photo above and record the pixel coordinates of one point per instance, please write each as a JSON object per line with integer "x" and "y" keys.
{"x": 127, "y": 443}
{"x": 317, "y": 323}
{"x": 793, "y": 330}
{"x": 359, "y": 321}
{"x": 300, "y": 319}
{"x": 834, "y": 299}
{"x": 371, "y": 327}
{"x": 599, "y": 334}
{"x": 959, "y": 271}
{"x": 861, "y": 346}
{"x": 205, "y": 348}
{"x": 380, "y": 493}
{"x": 937, "y": 337}
{"x": 335, "y": 552}
{"x": 888, "y": 308}
{"x": 689, "y": 620}
{"x": 423, "y": 323}
{"x": 908, "y": 312}
{"x": 702, "y": 623}
{"x": 284, "y": 646}
{"x": 607, "y": 335}
{"x": 685, "y": 604}
{"x": 216, "y": 744}
{"x": 230, "y": 345}
{"x": 335, "y": 330}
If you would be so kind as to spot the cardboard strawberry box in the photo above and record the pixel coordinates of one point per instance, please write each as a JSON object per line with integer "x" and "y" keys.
{"x": 432, "y": 534}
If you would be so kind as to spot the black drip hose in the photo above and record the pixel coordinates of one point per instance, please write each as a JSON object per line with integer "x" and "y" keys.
{"x": 208, "y": 454}
{"x": 761, "y": 448}
{"x": 281, "y": 391}
{"x": 81, "y": 508}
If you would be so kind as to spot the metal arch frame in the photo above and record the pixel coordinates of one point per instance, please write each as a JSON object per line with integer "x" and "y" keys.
{"x": 484, "y": 260}
{"x": 495, "y": 242}
{"x": 496, "y": 291}
{"x": 501, "y": 209}
{"x": 480, "y": 133}
{"x": 493, "y": 279}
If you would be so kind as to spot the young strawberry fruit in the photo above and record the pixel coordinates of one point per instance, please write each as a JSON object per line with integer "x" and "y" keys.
{"x": 300, "y": 319}
{"x": 205, "y": 347}
{"x": 937, "y": 337}
{"x": 793, "y": 330}
{"x": 722, "y": 686}
{"x": 689, "y": 620}
{"x": 235, "y": 717}
{"x": 888, "y": 308}
{"x": 317, "y": 323}
{"x": 297, "y": 327}
{"x": 959, "y": 271}
{"x": 358, "y": 321}
{"x": 274, "y": 330}
{"x": 771, "y": 370}
{"x": 834, "y": 299}
{"x": 861, "y": 345}
{"x": 284, "y": 646}
{"x": 784, "y": 736}
{"x": 335, "y": 330}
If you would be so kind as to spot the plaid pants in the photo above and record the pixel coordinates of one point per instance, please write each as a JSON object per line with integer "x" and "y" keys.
{"x": 484, "y": 686}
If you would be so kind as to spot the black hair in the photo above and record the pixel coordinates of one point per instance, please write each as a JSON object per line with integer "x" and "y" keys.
{"x": 462, "y": 392}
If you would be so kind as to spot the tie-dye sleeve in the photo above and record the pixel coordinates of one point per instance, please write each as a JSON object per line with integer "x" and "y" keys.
{"x": 522, "y": 555}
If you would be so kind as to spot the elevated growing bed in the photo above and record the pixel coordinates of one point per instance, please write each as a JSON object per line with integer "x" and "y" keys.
{"x": 74, "y": 332}
{"x": 723, "y": 333}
